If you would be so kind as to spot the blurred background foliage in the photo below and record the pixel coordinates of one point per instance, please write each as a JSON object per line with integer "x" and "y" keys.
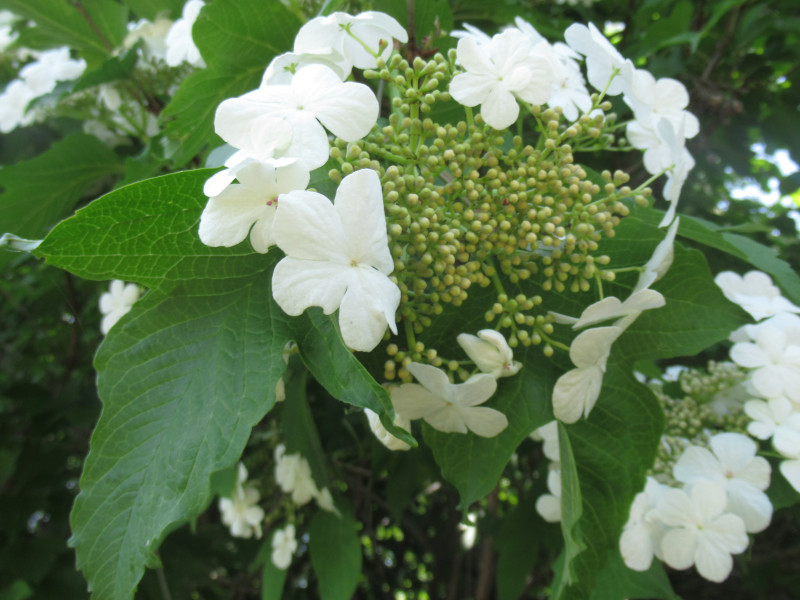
{"x": 737, "y": 58}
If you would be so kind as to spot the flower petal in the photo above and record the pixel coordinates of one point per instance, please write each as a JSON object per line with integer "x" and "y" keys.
{"x": 298, "y": 284}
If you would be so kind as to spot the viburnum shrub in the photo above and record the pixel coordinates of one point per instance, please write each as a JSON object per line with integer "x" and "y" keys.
{"x": 432, "y": 238}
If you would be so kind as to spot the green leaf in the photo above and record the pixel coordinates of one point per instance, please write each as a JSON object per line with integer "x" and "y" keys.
{"x": 39, "y": 192}
{"x": 92, "y": 27}
{"x": 474, "y": 464}
{"x": 150, "y": 9}
{"x": 571, "y": 511}
{"x": 617, "y": 581}
{"x": 335, "y": 553}
{"x": 115, "y": 68}
{"x": 517, "y": 548}
{"x": 273, "y": 579}
{"x": 183, "y": 377}
{"x": 761, "y": 257}
{"x": 430, "y": 17}
{"x": 237, "y": 39}
{"x": 145, "y": 232}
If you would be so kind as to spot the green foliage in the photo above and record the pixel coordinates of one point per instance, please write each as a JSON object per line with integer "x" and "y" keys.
{"x": 335, "y": 553}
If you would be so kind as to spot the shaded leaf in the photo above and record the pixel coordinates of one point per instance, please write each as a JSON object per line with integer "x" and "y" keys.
{"x": 335, "y": 553}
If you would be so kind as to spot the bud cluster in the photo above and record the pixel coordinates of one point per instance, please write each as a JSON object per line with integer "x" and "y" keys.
{"x": 469, "y": 206}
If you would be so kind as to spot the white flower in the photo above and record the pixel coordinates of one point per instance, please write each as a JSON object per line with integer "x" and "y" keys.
{"x": 735, "y": 467}
{"x": 357, "y": 38}
{"x": 14, "y": 105}
{"x": 612, "y": 308}
{"x": 775, "y": 363}
{"x": 473, "y": 32}
{"x": 384, "y": 437}
{"x": 549, "y": 505}
{"x": 641, "y": 536}
{"x": 778, "y": 419}
{"x": 49, "y": 68}
{"x": 315, "y": 97}
{"x": 179, "y": 42}
{"x": 284, "y": 545}
{"x": 602, "y": 59}
{"x": 549, "y": 435}
{"x": 250, "y": 205}
{"x": 491, "y": 352}
{"x": 154, "y": 35}
{"x": 283, "y": 67}
{"x": 293, "y": 475}
{"x": 449, "y": 407}
{"x": 791, "y": 471}
{"x": 337, "y": 257}
{"x": 704, "y": 534}
{"x": 325, "y": 501}
{"x": 497, "y": 73}
{"x": 241, "y": 512}
{"x": 117, "y": 302}
{"x": 755, "y": 293}
{"x": 576, "y": 391}
{"x": 652, "y": 100}
{"x": 661, "y": 261}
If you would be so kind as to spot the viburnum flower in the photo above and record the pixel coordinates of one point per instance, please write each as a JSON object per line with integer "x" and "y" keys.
{"x": 576, "y": 391}
{"x": 49, "y": 68}
{"x": 549, "y": 435}
{"x": 602, "y": 59}
{"x": 652, "y": 100}
{"x": 284, "y": 66}
{"x": 613, "y": 308}
{"x": 735, "y": 467}
{"x": 778, "y": 419}
{"x": 449, "y": 407}
{"x": 384, "y": 437}
{"x": 337, "y": 257}
{"x": 497, "y": 73}
{"x": 490, "y": 352}
{"x": 549, "y": 505}
{"x": 249, "y": 206}
{"x": 790, "y": 469}
{"x": 284, "y": 546}
{"x": 14, "y": 103}
{"x": 180, "y": 45}
{"x": 315, "y": 97}
{"x": 641, "y": 536}
{"x": 117, "y": 302}
{"x": 702, "y": 532}
{"x": 661, "y": 260}
{"x": 293, "y": 475}
{"x": 154, "y": 35}
{"x": 755, "y": 293}
{"x": 241, "y": 512}
{"x": 775, "y": 363}
{"x": 360, "y": 39}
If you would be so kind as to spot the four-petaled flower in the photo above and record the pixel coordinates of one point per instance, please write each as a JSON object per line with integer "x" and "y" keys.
{"x": 240, "y": 511}
{"x": 490, "y": 352}
{"x": 449, "y": 407}
{"x": 284, "y": 545}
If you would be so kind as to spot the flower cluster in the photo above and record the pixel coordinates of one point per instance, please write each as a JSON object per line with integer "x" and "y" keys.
{"x": 293, "y": 475}
{"x": 240, "y": 511}
{"x": 425, "y": 211}
{"x": 117, "y": 302}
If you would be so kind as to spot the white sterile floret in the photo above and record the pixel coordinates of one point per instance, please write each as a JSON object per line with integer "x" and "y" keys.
{"x": 641, "y": 536}
{"x": 549, "y": 435}
{"x": 661, "y": 261}
{"x": 315, "y": 97}
{"x": 180, "y": 45}
{"x": 249, "y": 206}
{"x": 337, "y": 257}
{"x": 14, "y": 103}
{"x": 449, "y": 407}
{"x": 652, "y": 100}
{"x": 384, "y": 437}
{"x": 612, "y": 308}
{"x": 241, "y": 512}
{"x": 549, "y": 505}
{"x": 775, "y": 363}
{"x": 755, "y": 293}
{"x": 50, "y": 67}
{"x": 702, "y": 532}
{"x": 603, "y": 61}
{"x": 497, "y": 73}
{"x": 471, "y": 31}
{"x": 117, "y": 302}
{"x": 777, "y": 418}
{"x": 736, "y": 468}
{"x": 293, "y": 475}
{"x": 360, "y": 39}
{"x": 576, "y": 391}
{"x": 153, "y": 34}
{"x": 283, "y": 67}
{"x": 490, "y": 352}
{"x": 284, "y": 545}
